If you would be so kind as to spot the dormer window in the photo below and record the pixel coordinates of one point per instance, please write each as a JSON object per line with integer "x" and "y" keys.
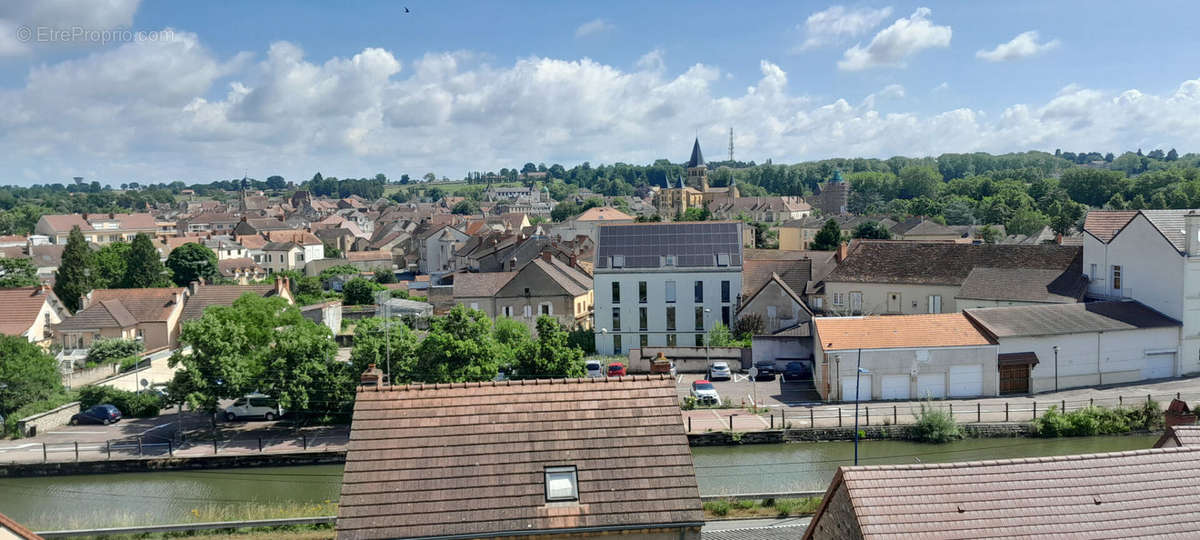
{"x": 618, "y": 261}
{"x": 722, "y": 259}
{"x": 562, "y": 484}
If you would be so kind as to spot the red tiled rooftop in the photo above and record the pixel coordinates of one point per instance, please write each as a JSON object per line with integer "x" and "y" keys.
{"x": 1104, "y": 224}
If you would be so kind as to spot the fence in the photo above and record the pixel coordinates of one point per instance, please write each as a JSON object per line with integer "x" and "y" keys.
{"x": 990, "y": 410}
{"x": 156, "y": 446}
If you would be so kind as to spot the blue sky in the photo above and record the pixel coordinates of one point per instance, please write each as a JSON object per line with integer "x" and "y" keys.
{"x": 358, "y": 88}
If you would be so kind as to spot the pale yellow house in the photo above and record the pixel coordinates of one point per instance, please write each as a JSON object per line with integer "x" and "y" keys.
{"x": 544, "y": 286}
{"x": 147, "y": 315}
{"x": 30, "y": 312}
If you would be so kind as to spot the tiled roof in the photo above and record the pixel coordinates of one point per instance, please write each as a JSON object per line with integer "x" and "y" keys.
{"x": 604, "y": 213}
{"x": 919, "y": 227}
{"x": 19, "y": 309}
{"x": 281, "y": 246}
{"x": 483, "y": 284}
{"x": 783, "y": 285}
{"x": 144, "y": 304}
{"x": 251, "y": 241}
{"x": 1104, "y": 224}
{"x": 219, "y": 295}
{"x": 19, "y": 532}
{"x": 369, "y": 256}
{"x": 62, "y": 223}
{"x": 1051, "y": 319}
{"x": 1138, "y": 494}
{"x": 1171, "y": 224}
{"x": 1024, "y": 285}
{"x": 303, "y": 238}
{"x": 943, "y": 263}
{"x": 468, "y": 459}
{"x": 1182, "y": 436}
{"x": 228, "y": 267}
{"x": 571, "y": 280}
{"x": 47, "y": 256}
{"x": 757, "y": 272}
{"x": 888, "y": 332}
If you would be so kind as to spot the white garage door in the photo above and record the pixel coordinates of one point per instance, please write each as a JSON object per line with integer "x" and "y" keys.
{"x": 864, "y": 390}
{"x": 966, "y": 380}
{"x": 1159, "y": 365}
{"x": 931, "y": 385}
{"x": 894, "y": 387}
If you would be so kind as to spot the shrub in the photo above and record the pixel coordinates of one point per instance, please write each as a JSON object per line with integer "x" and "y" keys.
{"x": 1097, "y": 420}
{"x": 30, "y": 409}
{"x": 689, "y": 403}
{"x": 935, "y": 425}
{"x": 107, "y": 351}
{"x": 130, "y": 363}
{"x": 744, "y": 505}
{"x": 717, "y": 508}
{"x": 131, "y": 404}
{"x": 783, "y": 507}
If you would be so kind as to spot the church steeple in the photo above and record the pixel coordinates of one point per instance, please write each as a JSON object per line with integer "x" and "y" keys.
{"x": 697, "y": 171}
{"x": 697, "y": 159}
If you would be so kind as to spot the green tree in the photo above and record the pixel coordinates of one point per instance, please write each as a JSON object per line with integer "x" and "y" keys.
{"x": 17, "y": 273}
{"x": 695, "y": 214}
{"x": 192, "y": 262}
{"x": 144, "y": 268}
{"x": 1064, "y": 215}
{"x": 359, "y": 291}
{"x": 917, "y": 181}
{"x": 27, "y": 374}
{"x": 989, "y": 234}
{"x": 828, "y": 238}
{"x": 551, "y": 356}
{"x": 301, "y": 370}
{"x": 749, "y": 325}
{"x": 1138, "y": 202}
{"x": 332, "y": 252}
{"x": 1092, "y": 187}
{"x": 384, "y": 275}
{"x": 720, "y": 336}
{"x": 73, "y": 279}
{"x": 871, "y": 230}
{"x": 107, "y": 351}
{"x": 1116, "y": 202}
{"x": 959, "y": 212}
{"x": 111, "y": 265}
{"x": 395, "y": 349}
{"x": 1027, "y": 221}
{"x": 459, "y": 347}
{"x": 465, "y": 208}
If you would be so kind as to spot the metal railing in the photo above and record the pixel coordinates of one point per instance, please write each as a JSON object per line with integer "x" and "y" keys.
{"x": 153, "y": 446}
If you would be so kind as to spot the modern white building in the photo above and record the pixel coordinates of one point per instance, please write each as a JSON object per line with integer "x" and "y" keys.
{"x": 1152, "y": 256}
{"x": 665, "y": 284}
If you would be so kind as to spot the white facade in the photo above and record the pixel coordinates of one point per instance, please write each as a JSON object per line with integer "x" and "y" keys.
{"x": 1095, "y": 358}
{"x": 907, "y": 373}
{"x": 722, "y": 308}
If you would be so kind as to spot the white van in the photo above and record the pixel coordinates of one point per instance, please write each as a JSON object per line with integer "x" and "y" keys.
{"x": 254, "y": 405}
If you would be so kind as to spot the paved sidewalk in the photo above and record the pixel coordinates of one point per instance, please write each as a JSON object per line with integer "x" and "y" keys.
{"x": 1022, "y": 408}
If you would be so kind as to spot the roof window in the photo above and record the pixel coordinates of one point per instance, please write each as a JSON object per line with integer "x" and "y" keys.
{"x": 562, "y": 484}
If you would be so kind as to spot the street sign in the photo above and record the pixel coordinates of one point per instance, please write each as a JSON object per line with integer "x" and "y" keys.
{"x": 145, "y": 383}
{"x": 753, "y": 372}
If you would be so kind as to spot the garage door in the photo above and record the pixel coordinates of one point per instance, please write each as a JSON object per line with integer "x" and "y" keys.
{"x": 1159, "y": 365}
{"x": 966, "y": 380}
{"x": 894, "y": 387}
{"x": 931, "y": 385}
{"x": 864, "y": 390}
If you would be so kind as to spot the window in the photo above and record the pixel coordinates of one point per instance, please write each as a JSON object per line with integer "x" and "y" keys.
{"x": 1116, "y": 277}
{"x": 672, "y": 340}
{"x": 641, "y": 292}
{"x": 644, "y": 340}
{"x": 670, "y": 317}
{"x": 935, "y": 303}
{"x": 699, "y": 292}
{"x": 699, "y": 318}
{"x": 725, "y": 291}
{"x": 616, "y": 325}
{"x": 722, "y": 259}
{"x": 725, "y": 315}
{"x": 561, "y": 484}
{"x": 545, "y": 309}
{"x": 818, "y": 302}
{"x": 669, "y": 290}
{"x": 474, "y": 305}
{"x": 772, "y": 312}
{"x": 618, "y": 261}
{"x": 856, "y": 301}
{"x": 527, "y": 311}
{"x": 699, "y": 340}
{"x": 669, "y": 260}
{"x": 617, "y": 344}
{"x": 839, "y": 299}
{"x": 616, "y": 292}
{"x": 642, "y": 319}
{"x": 508, "y": 311}
{"x": 1092, "y": 276}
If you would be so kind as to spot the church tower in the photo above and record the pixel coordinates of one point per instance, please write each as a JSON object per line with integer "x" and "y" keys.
{"x": 697, "y": 171}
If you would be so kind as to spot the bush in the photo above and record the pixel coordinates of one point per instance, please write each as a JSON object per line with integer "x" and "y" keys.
{"x": 717, "y": 508}
{"x": 1097, "y": 420}
{"x": 131, "y": 404}
{"x": 130, "y": 363}
{"x": 399, "y": 293}
{"x": 935, "y": 425}
{"x": 107, "y": 351}
{"x": 30, "y": 409}
{"x": 784, "y": 507}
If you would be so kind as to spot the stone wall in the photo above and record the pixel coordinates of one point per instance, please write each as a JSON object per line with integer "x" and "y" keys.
{"x": 725, "y": 438}
{"x": 90, "y": 375}
{"x": 16, "y": 470}
{"x": 839, "y": 522}
{"x": 32, "y": 425}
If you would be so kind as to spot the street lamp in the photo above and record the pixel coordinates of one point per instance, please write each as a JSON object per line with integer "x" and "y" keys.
{"x": 604, "y": 332}
{"x": 857, "y": 383}
{"x": 1055, "y": 349}
{"x": 707, "y": 359}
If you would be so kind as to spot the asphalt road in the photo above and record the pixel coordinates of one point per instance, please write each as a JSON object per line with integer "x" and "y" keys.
{"x": 764, "y": 393}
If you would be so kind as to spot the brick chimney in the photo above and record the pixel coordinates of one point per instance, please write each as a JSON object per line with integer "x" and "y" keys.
{"x": 281, "y": 284}
{"x": 573, "y": 261}
{"x": 843, "y": 251}
{"x": 193, "y": 286}
{"x": 512, "y": 264}
{"x": 547, "y": 256}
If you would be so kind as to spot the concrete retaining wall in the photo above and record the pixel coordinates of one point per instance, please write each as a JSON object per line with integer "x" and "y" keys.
{"x": 90, "y": 375}
{"x": 32, "y": 425}
{"x": 16, "y": 470}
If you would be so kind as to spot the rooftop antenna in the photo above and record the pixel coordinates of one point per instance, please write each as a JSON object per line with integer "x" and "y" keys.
{"x": 731, "y": 145}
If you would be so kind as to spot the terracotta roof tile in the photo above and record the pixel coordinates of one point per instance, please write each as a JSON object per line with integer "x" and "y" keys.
{"x": 219, "y": 295}
{"x": 19, "y": 309}
{"x": 303, "y": 238}
{"x": 469, "y": 459}
{"x": 1104, "y": 224}
{"x": 483, "y": 284}
{"x": 945, "y": 263}
{"x": 604, "y": 213}
{"x": 936, "y": 330}
{"x": 7, "y": 525}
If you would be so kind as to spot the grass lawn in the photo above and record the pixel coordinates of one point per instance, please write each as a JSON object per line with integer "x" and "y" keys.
{"x": 748, "y": 509}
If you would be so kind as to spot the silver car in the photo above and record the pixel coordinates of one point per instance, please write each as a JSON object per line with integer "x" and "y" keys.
{"x": 719, "y": 371}
{"x": 595, "y": 370}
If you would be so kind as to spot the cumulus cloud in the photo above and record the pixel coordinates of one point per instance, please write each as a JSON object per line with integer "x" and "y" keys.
{"x": 1023, "y": 46}
{"x": 175, "y": 110}
{"x": 893, "y": 45}
{"x": 592, "y": 27}
{"x": 837, "y": 23}
{"x": 21, "y": 21}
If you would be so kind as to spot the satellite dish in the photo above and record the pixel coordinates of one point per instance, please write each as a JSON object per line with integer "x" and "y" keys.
{"x": 145, "y": 383}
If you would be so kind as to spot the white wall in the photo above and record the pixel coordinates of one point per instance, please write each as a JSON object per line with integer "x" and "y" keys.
{"x": 910, "y": 362}
{"x": 657, "y": 305}
{"x": 1151, "y": 268}
{"x": 1091, "y": 358}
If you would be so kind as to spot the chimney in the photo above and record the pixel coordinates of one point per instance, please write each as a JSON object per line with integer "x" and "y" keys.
{"x": 193, "y": 286}
{"x": 281, "y": 283}
{"x": 843, "y": 251}
{"x": 546, "y": 256}
{"x": 1192, "y": 229}
{"x": 112, "y": 215}
{"x": 573, "y": 261}
{"x": 1058, "y": 239}
{"x": 512, "y": 264}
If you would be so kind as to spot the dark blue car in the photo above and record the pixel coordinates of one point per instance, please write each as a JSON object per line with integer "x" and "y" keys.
{"x": 796, "y": 372}
{"x": 99, "y": 414}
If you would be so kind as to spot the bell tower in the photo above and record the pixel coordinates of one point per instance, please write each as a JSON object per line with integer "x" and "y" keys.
{"x": 697, "y": 171}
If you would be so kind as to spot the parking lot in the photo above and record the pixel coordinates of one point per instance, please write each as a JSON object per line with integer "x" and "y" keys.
{"x": 764, "y": 393}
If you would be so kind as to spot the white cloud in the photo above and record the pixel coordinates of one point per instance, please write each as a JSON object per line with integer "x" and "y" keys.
{"x": 893, "y": 45}
{"x": 1023, "y": 46}
{"x": 837, "y": 23}
{"x": 20, "y": 22}
{"x": 163, "y": 111}
{"x": 592, "y": 27}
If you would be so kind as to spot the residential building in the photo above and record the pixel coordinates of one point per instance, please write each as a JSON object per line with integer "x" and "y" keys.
{"x": 898, "y": 277}
{"x": 1050, "y": 347}
{"x": 919, "y": 229}
{"x": 148, "y": 315}
{"x": 778, "y": 304}
{"x": 243, "y": 270}
{"x": 543, "y": 286}
{"x": 30, "y": 312}
{"x": 1152, "y": 256}
{"x": 1112, "y": 495}
{"x": 279, "y": 256}
{"x": 782, "y": 304}
{"x": 677, "y": 195}
{"x": 763, "y": 209}
{"x": 200, "y": 296}
{"x": 209, "y": 222}
{"x": 437, "y": 247}
{"x": 1179, "y": 436}
{"x": 665, "y": 284}
{"x": 249, "y": 225}
{"x": 906, "y": 357}
{"x": 327, "y": 314}
{"x": 799, "y": 234}
{"x": 585, "y": 224}
{"x": 314, "y": 249}
{"x": 587, "y": 458}
{"x": 96, "y": 228}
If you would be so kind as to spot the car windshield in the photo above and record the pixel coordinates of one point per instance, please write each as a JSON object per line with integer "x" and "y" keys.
{"x": 703, "y": 386}
{"x": 719, "y": 365}
{"x": 615, "y": 367}
{"x": 593, "y": 365}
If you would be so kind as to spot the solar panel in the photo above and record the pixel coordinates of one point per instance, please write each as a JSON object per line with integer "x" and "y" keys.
{"x": 692, "y": 245}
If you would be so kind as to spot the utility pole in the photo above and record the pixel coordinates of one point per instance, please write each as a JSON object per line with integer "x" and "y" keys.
{"x": 731, "y": 147}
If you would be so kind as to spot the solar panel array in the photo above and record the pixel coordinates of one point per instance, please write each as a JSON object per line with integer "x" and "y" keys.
{"x": 692, "y": 244}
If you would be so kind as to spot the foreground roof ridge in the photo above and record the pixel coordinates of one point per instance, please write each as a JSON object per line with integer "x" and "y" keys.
{"x": 518, "y": 382}
{"x": 1018, "y": 461}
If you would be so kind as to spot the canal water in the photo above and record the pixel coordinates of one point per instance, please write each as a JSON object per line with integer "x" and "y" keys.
{"x": 111, "y": 500}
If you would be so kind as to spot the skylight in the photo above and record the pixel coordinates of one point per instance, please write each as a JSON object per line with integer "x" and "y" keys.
{"x": 561, "y": 484}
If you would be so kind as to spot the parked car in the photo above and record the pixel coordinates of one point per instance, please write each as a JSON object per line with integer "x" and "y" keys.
{"x": 254, "y": 405}
{"x": 719, "y": 370}
{"x": 100, "y": 414}
{"x": 594, "y": 369}
{"x": 616, "y": 369}
{"x": 766, "y": 370}
{"x": 796, "y": 372}
{"x": 704, "y": 393}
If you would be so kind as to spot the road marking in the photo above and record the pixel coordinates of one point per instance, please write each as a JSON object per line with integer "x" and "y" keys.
{"x": 19, "y": 447}
{"x": 76, "y": 432}
{"x": 740, "y": 378}
{"x": 679, "y": 379}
